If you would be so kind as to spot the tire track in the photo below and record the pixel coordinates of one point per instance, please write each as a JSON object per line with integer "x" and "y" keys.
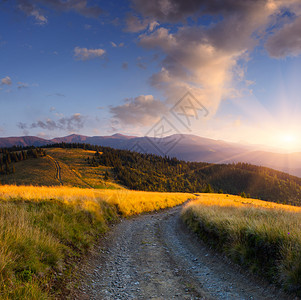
{"x": 58, "y": 169}
{"x": 154, "y": 257}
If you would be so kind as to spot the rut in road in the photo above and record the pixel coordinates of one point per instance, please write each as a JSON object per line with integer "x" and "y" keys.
{"x": 154, "y": 257}
{"x": 58, "y": 169}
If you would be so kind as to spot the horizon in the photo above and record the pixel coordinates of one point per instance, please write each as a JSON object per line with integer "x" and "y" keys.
{"x": 221, "y": 71}
{"x": 261, "y": 147}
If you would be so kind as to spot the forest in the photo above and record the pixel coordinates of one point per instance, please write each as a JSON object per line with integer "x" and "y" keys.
{"x": 148, "y": 172}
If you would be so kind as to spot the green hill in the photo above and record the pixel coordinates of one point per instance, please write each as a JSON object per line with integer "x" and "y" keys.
{"x": 89, "y": 166}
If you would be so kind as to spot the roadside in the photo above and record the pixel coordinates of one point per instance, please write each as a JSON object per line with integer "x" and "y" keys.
{"x": 153, "y": 256}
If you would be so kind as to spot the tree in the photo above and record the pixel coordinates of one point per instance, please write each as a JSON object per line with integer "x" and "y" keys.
{"x": 106, "y": 177}
{"x": 208, "y": 189}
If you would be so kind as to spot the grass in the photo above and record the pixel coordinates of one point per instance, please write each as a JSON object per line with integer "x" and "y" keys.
{"x": 46, "y": 230}
{"x": 39, "y": 171}
{"x": 263, "y": 236}
{"x": 75, "y": 171}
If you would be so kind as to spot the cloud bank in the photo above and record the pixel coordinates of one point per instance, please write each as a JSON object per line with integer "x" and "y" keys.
{"x": 72, "y": 124}
{"x": 209, "y": 58}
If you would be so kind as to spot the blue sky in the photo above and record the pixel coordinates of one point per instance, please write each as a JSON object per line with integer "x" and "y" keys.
{"x": 101, "y": 67}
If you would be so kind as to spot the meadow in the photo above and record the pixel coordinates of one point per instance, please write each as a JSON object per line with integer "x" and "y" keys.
{"x": 45, "y": 231}
{"x": 263, "y": 236}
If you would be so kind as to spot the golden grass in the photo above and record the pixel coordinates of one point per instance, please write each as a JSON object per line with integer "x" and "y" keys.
{"x": 128, "y": 202}
{"x": 77, "y": 172}
{"x": 39, "y": 171}
{"x": 264, "y": 236}
{"x": 237, "y": 201}
{"x": 42, "y": 227}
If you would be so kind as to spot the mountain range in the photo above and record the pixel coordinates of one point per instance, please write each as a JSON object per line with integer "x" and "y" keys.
{"x": 186, "y": 147}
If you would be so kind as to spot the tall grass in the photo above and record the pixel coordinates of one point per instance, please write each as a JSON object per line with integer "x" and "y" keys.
{"x": 265, "y": 237}
{"x": 44, "y": 229}
{"x": 127, "y": 202}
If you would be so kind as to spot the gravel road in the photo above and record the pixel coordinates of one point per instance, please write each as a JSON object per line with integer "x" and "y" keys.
{"x": 153, "y": 256}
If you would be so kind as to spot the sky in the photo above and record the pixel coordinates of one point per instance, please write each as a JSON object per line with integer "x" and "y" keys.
{"x": 227, "y": 70}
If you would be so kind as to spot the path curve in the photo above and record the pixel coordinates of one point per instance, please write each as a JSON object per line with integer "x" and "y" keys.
{"x": 153, "y": 256}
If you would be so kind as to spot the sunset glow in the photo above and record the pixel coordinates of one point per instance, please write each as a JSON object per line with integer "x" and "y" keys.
{"x": 108, "y": 67}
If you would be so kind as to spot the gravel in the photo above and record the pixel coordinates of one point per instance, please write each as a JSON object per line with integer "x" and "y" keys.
{"x": 154, "y": 256}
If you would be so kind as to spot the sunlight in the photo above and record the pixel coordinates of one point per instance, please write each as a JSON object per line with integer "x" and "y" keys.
{"x": 288, "y": 141}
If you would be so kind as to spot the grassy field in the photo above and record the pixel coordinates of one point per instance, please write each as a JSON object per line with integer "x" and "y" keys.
{"x": 77, "y": 172}
{"x": 74, "y": 171}
{"x": 39, "y": 171}
{"x": 46, "y": 230}
{"x": 263, "y": 236}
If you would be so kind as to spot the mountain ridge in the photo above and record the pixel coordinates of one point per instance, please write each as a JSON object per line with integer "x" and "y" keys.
{"x": 182, "y": 146}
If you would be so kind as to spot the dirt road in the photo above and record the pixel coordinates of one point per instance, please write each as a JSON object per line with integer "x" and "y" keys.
{"x": 58, "y": 169}
{"x": 154, "y": 257}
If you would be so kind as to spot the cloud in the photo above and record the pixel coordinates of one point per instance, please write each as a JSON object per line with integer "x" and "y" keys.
{"x": 72, "y": 123}
{"x": 86, "y": 54}
{"x": 143, "y": 110}
{"x": 209, "y": 60}
{"x": 140, "y": 63}
{"x": 22, "y": 125}
{"x": 6, "y": 81}
{"x": 56, "y": 94}
{"x": 286, "y": 41}
{"x": 30, "y": 9}
{"x": 134, "y": 24}
{"x": 115, "y": 45}
{"x": 125, "y": 65}
{"x": 33, "y": 8}
{"x": 22, "y": 85}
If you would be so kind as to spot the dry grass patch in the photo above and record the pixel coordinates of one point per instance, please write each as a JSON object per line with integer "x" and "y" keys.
{"x": 43, "y": 227}
{"x": 264, "y": 236}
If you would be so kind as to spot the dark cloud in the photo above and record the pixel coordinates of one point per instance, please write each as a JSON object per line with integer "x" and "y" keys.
{"x": 179, "y": 10}
{"x": 73, "y": 123}
{"x": 79, "y": 6}
{"x": 286, "y": 41}
{"x": 142, "y": 110}
{"x": 30, "y": 9}
{"x": 34, "y": 8}
{"x": 135, "y": 24}
{"x": 125, "y": 65}
{"x": 22, "y": 125}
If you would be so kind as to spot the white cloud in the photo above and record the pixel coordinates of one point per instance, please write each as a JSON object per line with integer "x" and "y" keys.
{"x": 86, "y": 54}
{"x": 6, "y": 81}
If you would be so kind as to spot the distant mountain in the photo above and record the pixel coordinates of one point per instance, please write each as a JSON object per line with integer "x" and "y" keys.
{"x": 184, "y": 147}
{"x": 23, "y": 141}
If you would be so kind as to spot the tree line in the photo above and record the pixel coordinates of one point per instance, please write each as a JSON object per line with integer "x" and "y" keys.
{"x": 10, "y": 156}
{"x": 149, "y": 172}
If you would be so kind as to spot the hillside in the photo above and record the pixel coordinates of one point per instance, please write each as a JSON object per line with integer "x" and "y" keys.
{"x": 103, "y": 167}
{"x": 185, "y": 147}
{"x": 67, "y": 167}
